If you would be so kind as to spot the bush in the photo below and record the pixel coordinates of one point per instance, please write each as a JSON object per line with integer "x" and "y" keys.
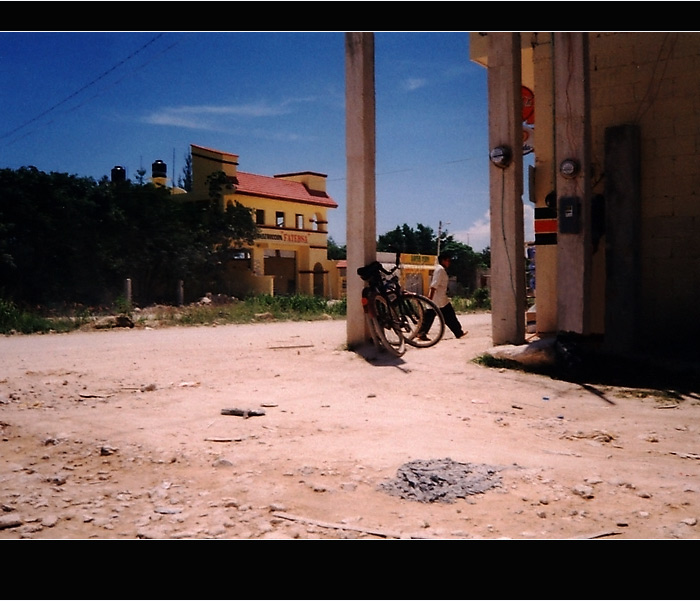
{"x": 482, "y": 298}
{"x": 13, "y": 319}
{"x": 299, "y": 306}
{"x": 479, "y": 301}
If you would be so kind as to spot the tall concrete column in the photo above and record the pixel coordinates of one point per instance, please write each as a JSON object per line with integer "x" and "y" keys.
{"x": 573, "y": 182}
{"x": 506, "y": 189}
{"x": 360, "y": 140}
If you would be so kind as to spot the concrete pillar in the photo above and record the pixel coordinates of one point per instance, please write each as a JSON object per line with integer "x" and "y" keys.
{"x": 127, "y": 290}
{"x": 360, "y": 137}
{"x": 573, "y": 181}
{"x": 506, "y": 189}
{"x": 180, "y": 293}
{"x": 545, "y": 176}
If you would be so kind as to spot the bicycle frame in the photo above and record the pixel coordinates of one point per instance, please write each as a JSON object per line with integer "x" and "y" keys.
{"x": 382, "y": 323}
{"x": 399, "y": 308}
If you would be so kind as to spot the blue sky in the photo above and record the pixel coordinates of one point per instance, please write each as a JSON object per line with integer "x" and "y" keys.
{"x": 83, "y": 102}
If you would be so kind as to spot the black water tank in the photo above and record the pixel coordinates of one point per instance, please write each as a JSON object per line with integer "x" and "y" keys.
{"x": 118, "y": 174}
{"x": 159, "y": 169}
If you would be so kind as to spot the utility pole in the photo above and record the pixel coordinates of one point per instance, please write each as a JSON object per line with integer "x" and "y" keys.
{"x": 440, "y": 234}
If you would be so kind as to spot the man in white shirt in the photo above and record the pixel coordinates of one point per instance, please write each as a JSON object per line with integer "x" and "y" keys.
{"x": 438, "y": 294}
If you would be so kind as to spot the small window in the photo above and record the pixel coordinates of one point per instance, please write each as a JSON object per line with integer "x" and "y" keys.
{"x": 300, "y": 221}
{"x": 279, "y": 218}
{"x": 260, "y": 217}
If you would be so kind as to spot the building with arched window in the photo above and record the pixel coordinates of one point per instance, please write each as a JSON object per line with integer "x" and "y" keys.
{"x": 289, "y": 256}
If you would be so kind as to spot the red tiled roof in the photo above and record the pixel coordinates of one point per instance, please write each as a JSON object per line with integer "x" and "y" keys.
{"x": 262, "y": 185}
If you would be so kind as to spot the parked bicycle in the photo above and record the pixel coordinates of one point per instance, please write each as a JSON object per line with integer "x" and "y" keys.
{"x": 396, "y": 316}
{"x": 380, "y": 311}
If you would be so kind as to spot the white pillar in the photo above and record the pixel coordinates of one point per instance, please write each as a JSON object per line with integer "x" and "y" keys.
{"x": 360, "y": 136}
{"x": 572, "y": 110}
{"x": 506, "y": 188}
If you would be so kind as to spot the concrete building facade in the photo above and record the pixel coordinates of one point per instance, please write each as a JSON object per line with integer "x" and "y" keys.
{"x": 615, "y": 184}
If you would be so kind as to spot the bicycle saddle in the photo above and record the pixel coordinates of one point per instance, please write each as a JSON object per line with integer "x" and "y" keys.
{"x": 369, "y": 270}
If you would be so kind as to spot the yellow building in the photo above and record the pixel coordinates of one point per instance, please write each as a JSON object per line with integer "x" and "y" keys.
{"x": 416, "y": 270}
{"x": 290, "y": 210}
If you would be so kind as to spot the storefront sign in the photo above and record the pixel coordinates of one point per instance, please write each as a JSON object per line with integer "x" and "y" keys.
{"x": 286, "y": 237}
{"x": 418, "y": 259}
{"x": 298, "y": 238}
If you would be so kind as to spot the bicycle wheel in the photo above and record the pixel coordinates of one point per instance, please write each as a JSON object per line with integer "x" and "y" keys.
{"x": 422, "y": 321}
{"x": 410, "y": 311}
{"x": 387, "y": 327}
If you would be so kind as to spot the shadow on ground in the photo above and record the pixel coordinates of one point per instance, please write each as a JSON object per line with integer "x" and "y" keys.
{"x": 672, "y": 378}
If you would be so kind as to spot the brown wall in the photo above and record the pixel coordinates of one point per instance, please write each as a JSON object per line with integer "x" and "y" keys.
{"x": 652, "y": 80}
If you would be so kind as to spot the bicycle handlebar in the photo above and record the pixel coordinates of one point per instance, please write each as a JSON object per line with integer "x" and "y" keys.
{"x": 375, "y": 266}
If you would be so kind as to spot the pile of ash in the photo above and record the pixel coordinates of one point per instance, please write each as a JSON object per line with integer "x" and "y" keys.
{"x": 444, "y": 480}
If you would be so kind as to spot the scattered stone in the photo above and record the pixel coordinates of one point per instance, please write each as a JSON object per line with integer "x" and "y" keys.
{"x": 113, "y": 321}
{"x": 583, "y": 491}
{"x": 536, "y": 353}
{"x": 316, "y": 487}
{"x": 168, "y": 510}
{"x": 152, "y": 533}
{"x": 49, "y": 521}
{"x": 57, "y": 479}
{"x": 243, "y": 412}
{"x": 9, "y": 521}
{"x": 267, "y": 316}
{"x": 689, "y": 521}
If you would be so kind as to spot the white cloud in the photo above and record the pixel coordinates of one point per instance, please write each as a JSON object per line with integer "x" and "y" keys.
{"x": 209, "y": 116}
{"x": 414, "y": 83}
{"x": 478, "y": 235}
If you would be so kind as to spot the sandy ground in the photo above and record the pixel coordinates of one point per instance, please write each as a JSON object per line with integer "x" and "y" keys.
{"x": 120, "y": 434}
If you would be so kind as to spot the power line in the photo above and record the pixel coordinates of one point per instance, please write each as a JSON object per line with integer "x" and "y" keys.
{"x": 85, "y": 87}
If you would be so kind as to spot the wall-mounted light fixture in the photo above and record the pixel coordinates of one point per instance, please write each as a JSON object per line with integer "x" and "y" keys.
{"x": 501, "y": 156}
{"x": 569, "y": 168}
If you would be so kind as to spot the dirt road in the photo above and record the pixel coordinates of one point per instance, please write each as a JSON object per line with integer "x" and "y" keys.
{"x": 120, "y": 434}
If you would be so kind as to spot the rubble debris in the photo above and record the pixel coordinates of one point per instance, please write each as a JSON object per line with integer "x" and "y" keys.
{"x": 243, "y": 412}
{"x": 441, "y": 480}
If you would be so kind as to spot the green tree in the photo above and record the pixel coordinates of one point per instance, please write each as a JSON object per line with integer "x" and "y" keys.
{"x": 404, "y": 239}
{"x": 51, "y": 227}
{"x": 336, "y": 252}
{"x": 466, "y": 263}
{"x": 71, "y": 239}
{"x": 185, "y": 181}
{"x": 423, "y": 240}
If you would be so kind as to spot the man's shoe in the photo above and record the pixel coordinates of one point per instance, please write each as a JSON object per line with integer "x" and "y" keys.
{"x": 424, "y": 338}
{"x": 463, "y": 334}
